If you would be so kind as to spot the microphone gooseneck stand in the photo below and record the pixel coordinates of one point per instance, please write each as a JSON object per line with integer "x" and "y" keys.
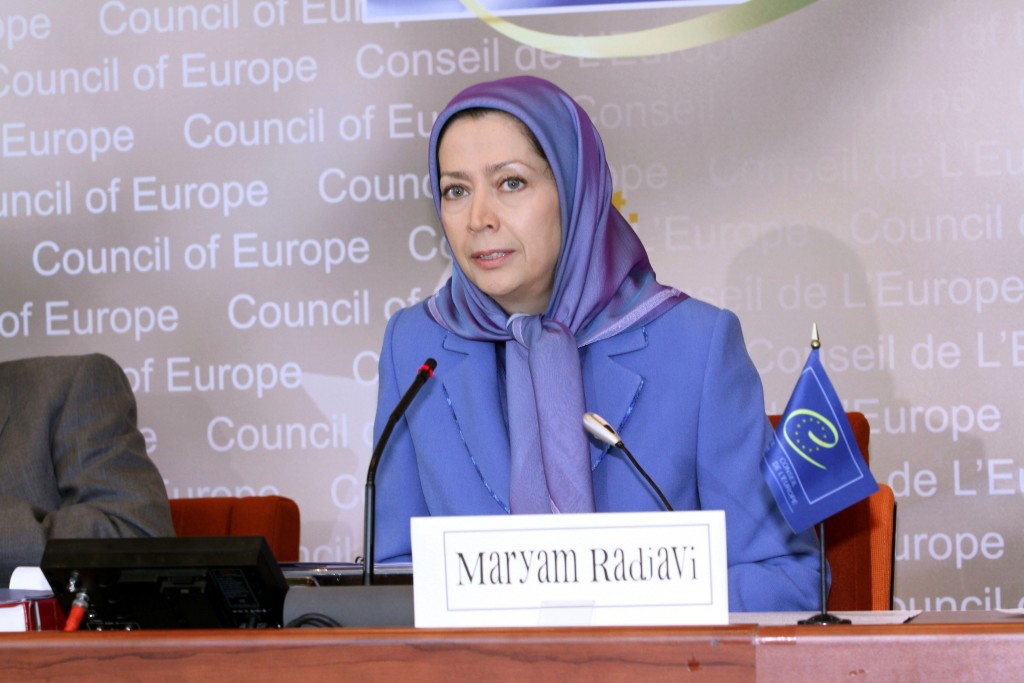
{"x": 599, "y": 428}
{"x": 425, "y": 372}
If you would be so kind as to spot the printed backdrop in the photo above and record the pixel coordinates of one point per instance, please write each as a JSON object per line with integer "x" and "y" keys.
{"x": 230, "y": 198}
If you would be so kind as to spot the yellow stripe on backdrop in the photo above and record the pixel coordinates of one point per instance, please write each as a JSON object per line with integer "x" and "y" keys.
{"x": 683, "y": 35}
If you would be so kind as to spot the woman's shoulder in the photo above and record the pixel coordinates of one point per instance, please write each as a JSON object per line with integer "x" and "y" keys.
{"x": 697, "y": 326}
{"x": 413, "y": 325}
{"x": 694, "y": 314}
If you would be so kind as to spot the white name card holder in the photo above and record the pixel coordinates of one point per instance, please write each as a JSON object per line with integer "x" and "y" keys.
{"x": 606, "y": 569}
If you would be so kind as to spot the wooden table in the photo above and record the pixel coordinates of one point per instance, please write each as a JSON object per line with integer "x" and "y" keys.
{"x": 992, "y": 651}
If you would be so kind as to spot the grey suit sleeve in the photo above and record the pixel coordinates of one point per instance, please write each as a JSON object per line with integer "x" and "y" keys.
{"x": 98, "y": 482}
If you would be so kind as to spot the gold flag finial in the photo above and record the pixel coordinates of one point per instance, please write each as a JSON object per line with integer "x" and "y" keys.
{"x": 815, "y": 341}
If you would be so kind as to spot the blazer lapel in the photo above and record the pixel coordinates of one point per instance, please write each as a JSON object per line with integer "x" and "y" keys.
{"x": 471, "y": 384}
{"x": 612, "y": 389}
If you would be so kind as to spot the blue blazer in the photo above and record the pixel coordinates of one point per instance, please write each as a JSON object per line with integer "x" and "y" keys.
{"x": 681, "y": 391}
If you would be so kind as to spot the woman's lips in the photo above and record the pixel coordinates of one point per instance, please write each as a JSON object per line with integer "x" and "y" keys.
{"x": 491, "y": 258}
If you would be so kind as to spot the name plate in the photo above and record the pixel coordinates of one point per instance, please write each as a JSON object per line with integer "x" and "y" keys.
{"x": 606, "y": 569}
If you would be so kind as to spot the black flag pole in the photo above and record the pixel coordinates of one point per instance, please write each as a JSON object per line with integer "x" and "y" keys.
{"x": 822, "y": 618}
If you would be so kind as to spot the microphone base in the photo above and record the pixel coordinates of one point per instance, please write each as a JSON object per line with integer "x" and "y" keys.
{"x": 823, "y": 619}
{"x": 355, "y": 606}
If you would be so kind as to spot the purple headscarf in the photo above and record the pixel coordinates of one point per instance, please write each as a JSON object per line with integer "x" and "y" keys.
{"x": 603, "y": 284}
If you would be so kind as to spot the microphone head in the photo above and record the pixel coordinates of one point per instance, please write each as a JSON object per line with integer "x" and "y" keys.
{"x": 426, "y": 370}
{"x": 599, "y": 428}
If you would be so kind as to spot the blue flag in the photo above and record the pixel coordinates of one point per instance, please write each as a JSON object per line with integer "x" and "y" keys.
{"x": 813, "y": 465}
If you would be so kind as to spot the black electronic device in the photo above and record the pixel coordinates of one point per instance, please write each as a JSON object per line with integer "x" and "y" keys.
{"x": 168, "y": 583}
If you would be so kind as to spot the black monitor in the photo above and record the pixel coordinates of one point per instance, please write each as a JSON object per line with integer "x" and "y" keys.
{"x": 168, "y": 583}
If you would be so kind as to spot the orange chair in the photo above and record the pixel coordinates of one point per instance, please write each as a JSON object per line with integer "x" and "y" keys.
{"x": 860, "y": 542}
{"x": 276, "y": 518}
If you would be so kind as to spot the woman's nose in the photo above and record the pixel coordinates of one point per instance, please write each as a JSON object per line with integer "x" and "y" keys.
{"x": 482, "y": 215}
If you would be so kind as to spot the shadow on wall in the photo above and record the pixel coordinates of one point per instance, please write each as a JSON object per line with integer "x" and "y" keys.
{"x": 779, "y": 294}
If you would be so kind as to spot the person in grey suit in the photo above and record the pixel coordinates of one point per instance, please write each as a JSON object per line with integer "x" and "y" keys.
{"x": 73, "y": 463}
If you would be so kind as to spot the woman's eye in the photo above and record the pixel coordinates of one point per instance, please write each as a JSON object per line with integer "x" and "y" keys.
{"x": 454, "y": 192}
{"x": 513, "y": 183}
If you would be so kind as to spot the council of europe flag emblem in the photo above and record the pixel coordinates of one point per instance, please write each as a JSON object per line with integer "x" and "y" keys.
{"x": 813, "y": 465}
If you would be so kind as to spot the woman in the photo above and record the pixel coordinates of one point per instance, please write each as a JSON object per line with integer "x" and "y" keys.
{"x": 552, "y": 311}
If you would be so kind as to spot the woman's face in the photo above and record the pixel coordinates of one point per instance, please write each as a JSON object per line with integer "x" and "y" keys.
{"x": 499, "y": 207}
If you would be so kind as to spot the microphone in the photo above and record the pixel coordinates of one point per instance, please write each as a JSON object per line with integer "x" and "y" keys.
{"x": 425, "y": 372}
{"x": 599, "y": 428}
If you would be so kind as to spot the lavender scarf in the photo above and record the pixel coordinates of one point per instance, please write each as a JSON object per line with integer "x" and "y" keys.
{"x": 603, "y": 284}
